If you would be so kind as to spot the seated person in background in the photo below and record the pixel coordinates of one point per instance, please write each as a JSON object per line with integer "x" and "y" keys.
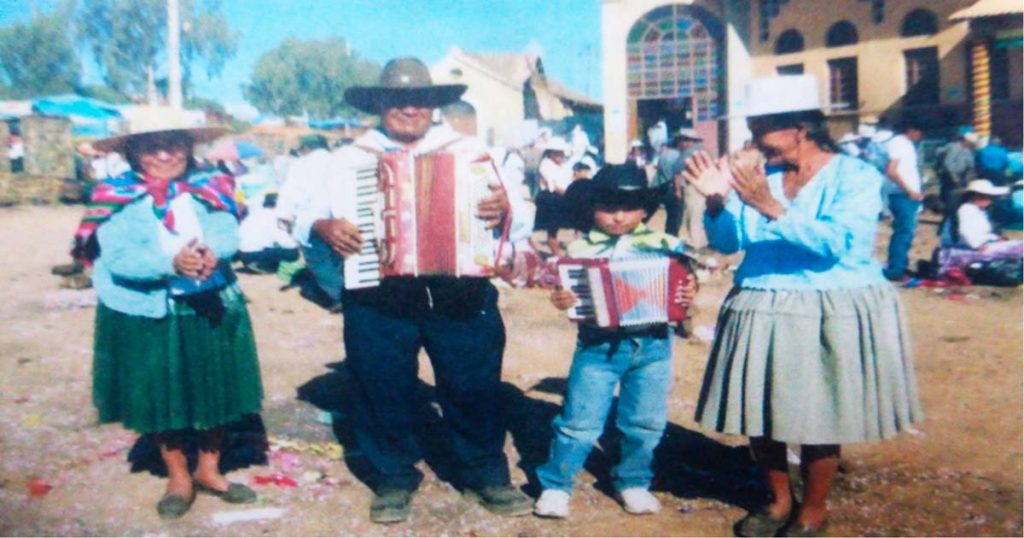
{"x": 263, "y": 245}
{"x": 968, "y": 235}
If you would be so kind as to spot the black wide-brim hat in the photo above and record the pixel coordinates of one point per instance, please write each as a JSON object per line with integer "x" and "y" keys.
{"x": 404, "y": 81}
{"x": 615, "y": 185}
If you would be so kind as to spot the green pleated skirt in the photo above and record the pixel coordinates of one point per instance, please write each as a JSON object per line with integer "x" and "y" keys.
{"x": 811, "y": 367}
{"x": 194, "y": 368}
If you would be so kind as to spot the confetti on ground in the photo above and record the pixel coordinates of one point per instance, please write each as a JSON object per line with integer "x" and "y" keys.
{"x": 38, "y": 488}
{"x": 277, "y": 479}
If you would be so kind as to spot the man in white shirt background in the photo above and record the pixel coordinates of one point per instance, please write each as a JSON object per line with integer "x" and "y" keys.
{"x": 903, "y": 194}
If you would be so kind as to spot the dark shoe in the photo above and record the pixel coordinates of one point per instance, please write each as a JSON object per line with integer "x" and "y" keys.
{"x": 390, "y": 505}
{"x": 759, "y": 524}
{"x": 235, "y": 494}
{"x": 502, "y": 500}
{"x": 67, "y": 269}
{"x": 797, "y": 529}
{"x": 173, "y": 506}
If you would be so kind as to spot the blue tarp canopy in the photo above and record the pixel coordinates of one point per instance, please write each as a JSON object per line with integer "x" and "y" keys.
{"x": 75, "y": 105}
{"x": 89, "y": 117}
{"x": 334, "y": 123}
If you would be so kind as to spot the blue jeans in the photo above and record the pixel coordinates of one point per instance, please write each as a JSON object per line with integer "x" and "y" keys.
{"x": 904, "y": 222}
{"x": 642, "y": 367}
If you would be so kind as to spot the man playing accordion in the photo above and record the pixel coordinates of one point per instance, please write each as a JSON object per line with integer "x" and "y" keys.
{"x": 454, "y": 318}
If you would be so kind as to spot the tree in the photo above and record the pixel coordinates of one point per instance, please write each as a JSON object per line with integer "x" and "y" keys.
{"x": 128, "y": 40}
{"x": 308, "y": 76}
{"x": 38, "y": 58}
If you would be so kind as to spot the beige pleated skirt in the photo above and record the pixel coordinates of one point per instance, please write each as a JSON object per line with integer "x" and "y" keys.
{"x": 811, "y": 367}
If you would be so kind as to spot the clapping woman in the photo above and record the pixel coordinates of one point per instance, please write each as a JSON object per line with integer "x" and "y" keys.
{"x": 811, "y": 346}
{"x": 174, "y": 352}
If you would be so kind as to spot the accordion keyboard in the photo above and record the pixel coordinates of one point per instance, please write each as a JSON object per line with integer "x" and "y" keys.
{"x": 363, "y": 269}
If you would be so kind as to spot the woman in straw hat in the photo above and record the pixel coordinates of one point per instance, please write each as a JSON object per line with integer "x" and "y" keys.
{"x": 968, "y": 236}
{"x": 174, "y": 353}
{"x": 811, "y": 345}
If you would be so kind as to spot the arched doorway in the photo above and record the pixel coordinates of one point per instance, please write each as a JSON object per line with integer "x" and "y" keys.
{"x": 675, "y": 71}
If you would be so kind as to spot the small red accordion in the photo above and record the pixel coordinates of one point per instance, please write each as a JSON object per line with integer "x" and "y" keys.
{"x": 625, "y": 292}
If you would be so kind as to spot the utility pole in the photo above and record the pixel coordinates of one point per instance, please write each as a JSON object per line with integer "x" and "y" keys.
{"x": 173, "y": 55}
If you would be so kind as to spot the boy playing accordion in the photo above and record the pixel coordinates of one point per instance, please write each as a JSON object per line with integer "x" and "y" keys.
{"x": 638, "y": 358}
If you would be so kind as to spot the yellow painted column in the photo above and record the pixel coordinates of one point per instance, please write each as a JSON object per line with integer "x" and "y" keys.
{"x": 981, "y": 90}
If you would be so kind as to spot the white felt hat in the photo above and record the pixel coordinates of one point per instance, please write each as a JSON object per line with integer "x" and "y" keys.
{"x": 781, "y": 95}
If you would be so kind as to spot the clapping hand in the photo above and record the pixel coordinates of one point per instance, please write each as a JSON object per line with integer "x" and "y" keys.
{"x": 494, "y": 208}
{"x": 209, "y": 260}
{"x": 751, "y": 185}
{"x": 710, "y": 178}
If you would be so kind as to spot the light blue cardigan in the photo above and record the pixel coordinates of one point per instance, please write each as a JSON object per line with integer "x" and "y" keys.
{"x": 132, "y": 271}
{"x": 825, "y": 240}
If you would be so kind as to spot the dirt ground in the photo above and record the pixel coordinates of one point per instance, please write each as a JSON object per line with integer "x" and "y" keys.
{"x": 62, "y": 474}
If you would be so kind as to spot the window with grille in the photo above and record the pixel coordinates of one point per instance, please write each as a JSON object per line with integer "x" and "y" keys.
{"x": 673, "y": 52}
{"x": 922, "y": 76}
{"x": 842, "y": 83}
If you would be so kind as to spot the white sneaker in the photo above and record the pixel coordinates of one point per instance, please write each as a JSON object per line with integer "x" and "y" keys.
{"x": 552, "y": 503}
{"x": 639, "y": 501}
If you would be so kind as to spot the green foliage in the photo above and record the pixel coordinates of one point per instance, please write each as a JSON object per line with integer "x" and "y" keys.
{"x": 128, "y": 38}
{"x": 202, "y": 103}
{"x": 38, "y": 58}
{"x": 308, "y": 76}
{"x": 103, "y": 93}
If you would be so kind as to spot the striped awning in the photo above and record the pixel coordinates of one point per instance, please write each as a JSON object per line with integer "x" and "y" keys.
{"x": 988, "y": 8}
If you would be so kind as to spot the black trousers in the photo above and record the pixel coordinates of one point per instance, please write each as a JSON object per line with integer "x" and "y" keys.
{"x": 458, "y": 324}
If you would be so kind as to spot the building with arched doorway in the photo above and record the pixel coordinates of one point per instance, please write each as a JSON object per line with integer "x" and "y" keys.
{"x": 687, "y": 62}
{"x": 678, "y": 62}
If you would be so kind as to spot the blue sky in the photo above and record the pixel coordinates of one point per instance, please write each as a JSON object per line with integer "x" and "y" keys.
{"x": 568, "y": 32}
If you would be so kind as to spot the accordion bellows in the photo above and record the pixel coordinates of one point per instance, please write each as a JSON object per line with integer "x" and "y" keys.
{"x": 417, "y": 216}
{"x": 624, "y": 292}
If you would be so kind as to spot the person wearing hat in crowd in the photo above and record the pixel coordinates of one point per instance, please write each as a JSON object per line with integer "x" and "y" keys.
{"x": 638, "y": 359}
{"x": 811, "y": 345}
{"x": 456, "y": 319}
{"x": 554, "y": 175}
{"x": 636, "y": 155}
{"x": 956, "y": 166}
{"x": 296, "y": 196}
{"x": 903, "y": 194}
{"x": 968, "y": 236}
{"x": 670, "y": 164}
{"x": 174, "y": 353}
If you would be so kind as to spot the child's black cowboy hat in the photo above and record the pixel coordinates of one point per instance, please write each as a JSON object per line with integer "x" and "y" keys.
{"x": 614, "y": 186}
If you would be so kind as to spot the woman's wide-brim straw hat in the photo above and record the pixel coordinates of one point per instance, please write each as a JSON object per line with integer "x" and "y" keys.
{"x": 984, "y": 186}
{"x": 145, "y": 120}
{"x": 781, "y": 95}
{"x": 403, "y": 80}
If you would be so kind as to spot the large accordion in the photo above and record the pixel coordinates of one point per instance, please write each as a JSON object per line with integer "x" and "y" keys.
{"x": 417, "y": 216}
{"x": 625, "y": 292}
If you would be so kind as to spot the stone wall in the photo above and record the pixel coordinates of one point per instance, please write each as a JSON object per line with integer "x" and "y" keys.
{"x": 29, "y": 189}
{"x": 48, "y": 147}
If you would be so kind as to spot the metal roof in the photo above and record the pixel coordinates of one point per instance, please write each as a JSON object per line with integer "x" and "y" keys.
{"x": 988, "y": 8}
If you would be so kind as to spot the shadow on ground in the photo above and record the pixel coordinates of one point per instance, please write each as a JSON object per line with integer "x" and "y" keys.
{"x": 687, "y": 464}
